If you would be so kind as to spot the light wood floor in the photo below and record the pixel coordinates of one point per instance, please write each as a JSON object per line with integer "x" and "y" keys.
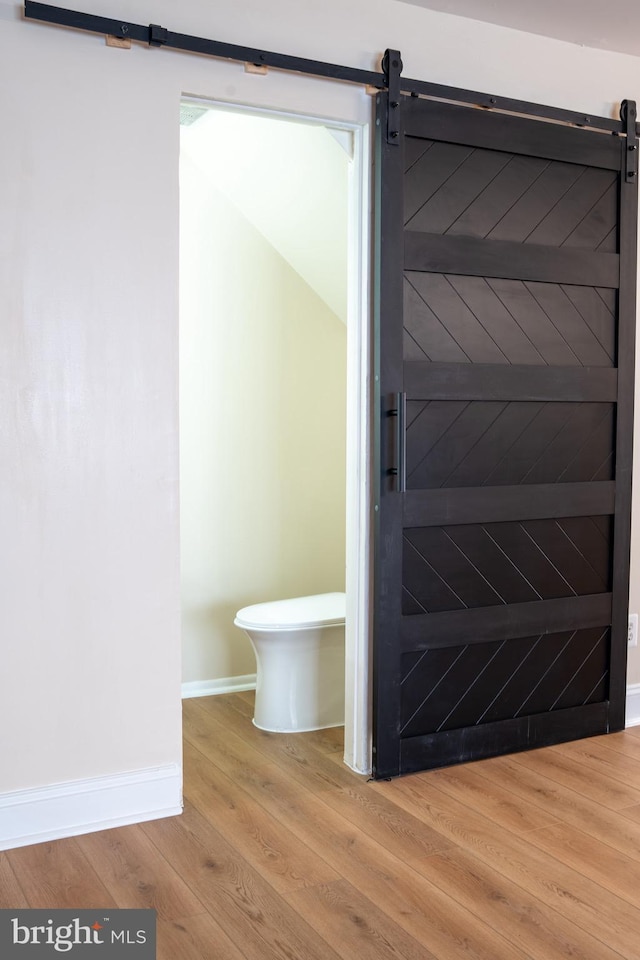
{"x": 283, "y": 853}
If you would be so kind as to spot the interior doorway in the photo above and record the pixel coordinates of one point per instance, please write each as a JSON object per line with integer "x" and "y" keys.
{"x": 274, "y": 360}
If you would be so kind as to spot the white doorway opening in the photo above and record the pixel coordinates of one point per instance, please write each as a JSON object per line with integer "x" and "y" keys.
{"x": 274, "y": 369}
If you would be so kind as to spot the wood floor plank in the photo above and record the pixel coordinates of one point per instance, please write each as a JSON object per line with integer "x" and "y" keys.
{"x": 284, "y": 861}
{"x": 488, "y": 799}
{"x": 238, "y": 757}
{"x": 457, "y": 822}
{"x": 137, "y": 875}
{"x": 12, "y": 896}
{"x": 588, "y": 780}
{"x": 623, "y": 742}
{"x": 308, "y": 765}
{"x": 329, "y": 741}
{"x": 632, "y": 813}
{"x": 633, "y": 731}
{"x": 603, "y": 864}
{"x": 248, "y": 696}
{"x": 243, "y": 701}
{"x": 400, "y": 833}
{"x": 195, "y": 938}
{"x": 425, "y": 914}
{"x": 598, "y": 758}
{"x": 585, "y": 903}
{"x": 220, "y": 743}
{"x": 544, "y": 932}
{"x": 354, "y": 926}
{"x": 58, "y": 874}
{"x": 571, "y": 807}
{"x": 242, "y": 903}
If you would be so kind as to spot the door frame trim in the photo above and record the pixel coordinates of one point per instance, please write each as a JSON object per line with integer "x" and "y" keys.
{"x": 358, "y": 626}
{"x": 358, "y": 630}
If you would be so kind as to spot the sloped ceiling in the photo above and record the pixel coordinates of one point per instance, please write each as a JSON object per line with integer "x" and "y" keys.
{"x": 289, "y": 179}
{"x": 611, "y": 25}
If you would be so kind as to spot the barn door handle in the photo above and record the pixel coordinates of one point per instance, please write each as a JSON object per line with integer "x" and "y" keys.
{"x": 398, "y": 410}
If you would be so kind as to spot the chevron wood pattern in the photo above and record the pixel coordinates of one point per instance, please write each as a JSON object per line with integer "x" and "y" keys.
{"x": 456, "y": 687}
{"x": 478, "y": 443}
{"x": 477, "y": 565}
{"x": 465, "y": 319}
{"x": 456, "y": 189}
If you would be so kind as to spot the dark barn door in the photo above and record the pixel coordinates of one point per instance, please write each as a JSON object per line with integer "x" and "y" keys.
{"x": 506, "y": 250}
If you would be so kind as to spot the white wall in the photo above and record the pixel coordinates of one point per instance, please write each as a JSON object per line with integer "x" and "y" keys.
{"x": 90, "y": 681}
{"x": 89, "y": 618}
{"x": 262, "y": 429}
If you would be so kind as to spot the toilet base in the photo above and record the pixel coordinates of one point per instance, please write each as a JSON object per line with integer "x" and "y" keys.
{"x": 300, "y": 679}
{"x": 327, "y": 726}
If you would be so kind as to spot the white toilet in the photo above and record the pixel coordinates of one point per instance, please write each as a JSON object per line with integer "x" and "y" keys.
{"x": 299, "y": 648}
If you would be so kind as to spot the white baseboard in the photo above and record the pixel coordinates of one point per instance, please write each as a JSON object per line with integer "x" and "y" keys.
{"x": 210, "y": 688}
{"x": 633, "y": 705}
{"x": 84, "y": 806}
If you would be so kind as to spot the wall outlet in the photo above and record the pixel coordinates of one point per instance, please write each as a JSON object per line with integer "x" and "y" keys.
{"x": 632, "y": 635}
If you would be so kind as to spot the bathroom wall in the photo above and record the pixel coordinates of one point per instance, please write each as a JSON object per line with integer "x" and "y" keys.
{"x": 262, "y": 429}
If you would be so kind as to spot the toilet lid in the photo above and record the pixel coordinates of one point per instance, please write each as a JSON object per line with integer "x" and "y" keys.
{"x": 324, "y": 609}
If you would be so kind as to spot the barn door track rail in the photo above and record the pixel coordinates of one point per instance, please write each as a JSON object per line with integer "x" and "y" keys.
{"x": 388, "y": 79}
